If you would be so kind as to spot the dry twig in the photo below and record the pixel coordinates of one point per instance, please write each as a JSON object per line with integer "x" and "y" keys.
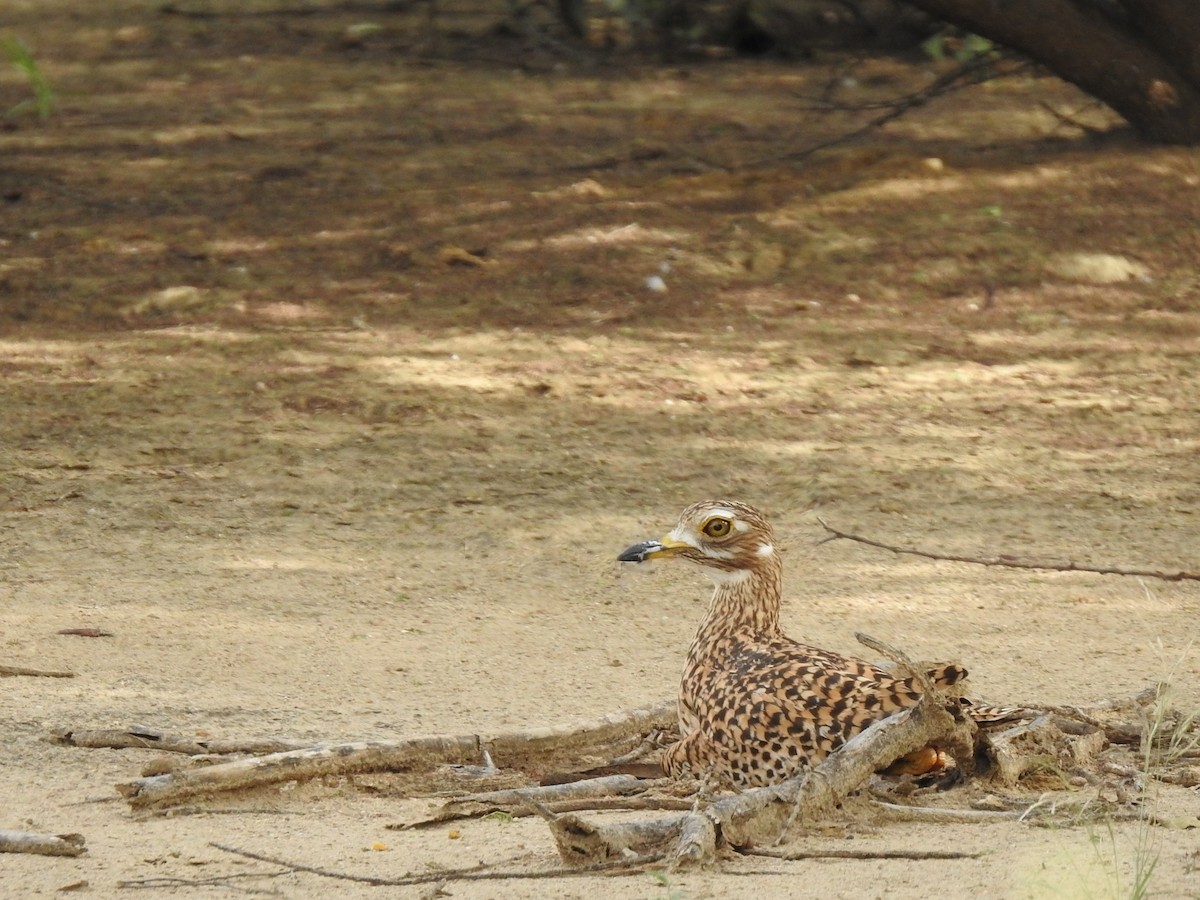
{"x": 765, "y": 815}
{"x": 861, "y": 854}
{"x": 935, "y": 815}
{"x": 474, "y": 873}
{"x": 142, "y": 738}
{"x": 43, "y": 844}
{"x": 10, "y": 671}
{"x": 516, "y": 801}
{"x": 969, "y": 72}
{"x": 1006, "y": 561}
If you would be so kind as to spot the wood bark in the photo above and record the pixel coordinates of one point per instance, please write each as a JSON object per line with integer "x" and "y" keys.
{"x": 11, "y": 671}
{"x": 516, "y": 801}
{"x": 766, "y": 815}
{"x": 535, "y": 750}
{"x": 1144, "y": 65}
{"x": 43, "y": 844}
{"x": 137, "y": 737}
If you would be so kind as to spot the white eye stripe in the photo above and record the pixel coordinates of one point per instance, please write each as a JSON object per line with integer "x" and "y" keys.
{"x": 684, "y": 536}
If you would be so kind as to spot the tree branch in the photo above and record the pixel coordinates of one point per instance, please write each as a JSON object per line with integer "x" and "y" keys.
{"x": 1006, "y": 561}
{"x": 1103, "y": 56}
{"x": 943, "y": 84}
{"x": 43, "y": 844}
{"x": 532, "y": 750}
{"x": 9, "y": 671}
{"x": 474, "y": 873}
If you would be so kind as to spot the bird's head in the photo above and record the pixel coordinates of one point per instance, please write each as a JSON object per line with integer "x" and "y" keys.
{"x": 729, "y": 539}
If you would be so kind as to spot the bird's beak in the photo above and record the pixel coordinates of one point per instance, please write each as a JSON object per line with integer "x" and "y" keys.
{"x": 651, "y": 550}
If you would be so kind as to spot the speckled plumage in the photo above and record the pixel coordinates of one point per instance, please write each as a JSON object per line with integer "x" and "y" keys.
{"x": 755, "y": 706}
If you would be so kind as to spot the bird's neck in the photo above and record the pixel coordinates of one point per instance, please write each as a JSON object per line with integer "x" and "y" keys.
{"x": 746, "y": 604}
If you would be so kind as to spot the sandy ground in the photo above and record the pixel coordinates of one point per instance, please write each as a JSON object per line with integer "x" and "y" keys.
{"x": 450, "y": 568}
{"x": 322, "y": 507}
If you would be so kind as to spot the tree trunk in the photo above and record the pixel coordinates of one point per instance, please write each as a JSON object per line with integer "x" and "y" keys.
{"x": 1142, "y": 59}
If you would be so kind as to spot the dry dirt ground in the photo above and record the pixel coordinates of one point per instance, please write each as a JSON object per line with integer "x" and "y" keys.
{"x": 332, "y": 385}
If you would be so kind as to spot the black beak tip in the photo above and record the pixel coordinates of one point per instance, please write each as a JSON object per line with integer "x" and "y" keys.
{"x": 638, "y": 552}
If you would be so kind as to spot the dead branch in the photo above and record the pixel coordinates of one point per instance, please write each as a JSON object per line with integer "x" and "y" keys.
{"x": 861, "y": 854}
{"x": 532, "y": 750}
{"x": 142, "y": 738}
{"x": 301, "y": 765}
{"x": 595, "y": 804}
{"x": 176, "y": 812}
{"x": 934, "y": 720}
{"x": 765, "y": 815}
{"x": 474, "y": 873}
{"x": 971, "y": 71}
{"x": 540, "y": 749}
{"x": 10, "y": 671}
{"x": 1071, "y": 121}
{"x": 934, "y": 815}
{"x": 1006, "y": 561}
{"x": 43, "y": 844}
{"x": 1041, "y": 745}
{"x": 226, "y": 881}
{"x": 515, "y": 801}
{"x": 654, "y": 804}
{"x": 582, "y": 843}
{"x": 900, "y": 658}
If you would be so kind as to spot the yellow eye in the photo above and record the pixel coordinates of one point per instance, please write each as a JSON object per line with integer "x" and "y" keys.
{"x": 717, "y": 527}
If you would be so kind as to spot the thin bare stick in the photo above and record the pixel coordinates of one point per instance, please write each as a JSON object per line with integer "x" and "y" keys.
{"x": 516, "y": 801}
{"x": 957, "y": 77}
{"x": 474, "y": 873}
{"x": 946, "y": 816}
{"x": 557, "y": 807}
{"x": 1010, "y": 562}
{"x": 1070, "y": 121}
{"x": 174, "y": 881}
{"x": 898, "y": 656}
{"x": 175, "y": 812}
{"x": 11, "y": 671}
{"x": 141, "y": 738}
{"x": 43, "y": 844}
{"x": 860, "y": 854}
{"x": 657, "y": 804}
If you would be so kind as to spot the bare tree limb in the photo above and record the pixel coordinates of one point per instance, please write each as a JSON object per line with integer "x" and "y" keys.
{"x": 555, "y": 807}
{"x": 43, "y": 844}
{"x": 937, "y": 816}
{"x": 515, "y": 801}
{"x": 1070, "y": 121}
{"x": 301, "y": 765}
{"x": 765, "y": 815}
{"x": 141, "y": 738}
{"x": 533, "y": 750}
{"x": 1146, "y": 69}
{"x": 1010, "y": 562}
{"x": 966, "y": 73}
{"x": 474, "y": 873}
{"x": 10, "y": 671}
{"x": 861, "y": 854}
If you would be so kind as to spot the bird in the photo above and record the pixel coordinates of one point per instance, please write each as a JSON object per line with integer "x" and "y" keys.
{"x": 755, "y": 706}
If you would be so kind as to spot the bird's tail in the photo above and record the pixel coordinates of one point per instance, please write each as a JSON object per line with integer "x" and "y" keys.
{"x": 947, "y": 675}
{"x": 950, "y": 674}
